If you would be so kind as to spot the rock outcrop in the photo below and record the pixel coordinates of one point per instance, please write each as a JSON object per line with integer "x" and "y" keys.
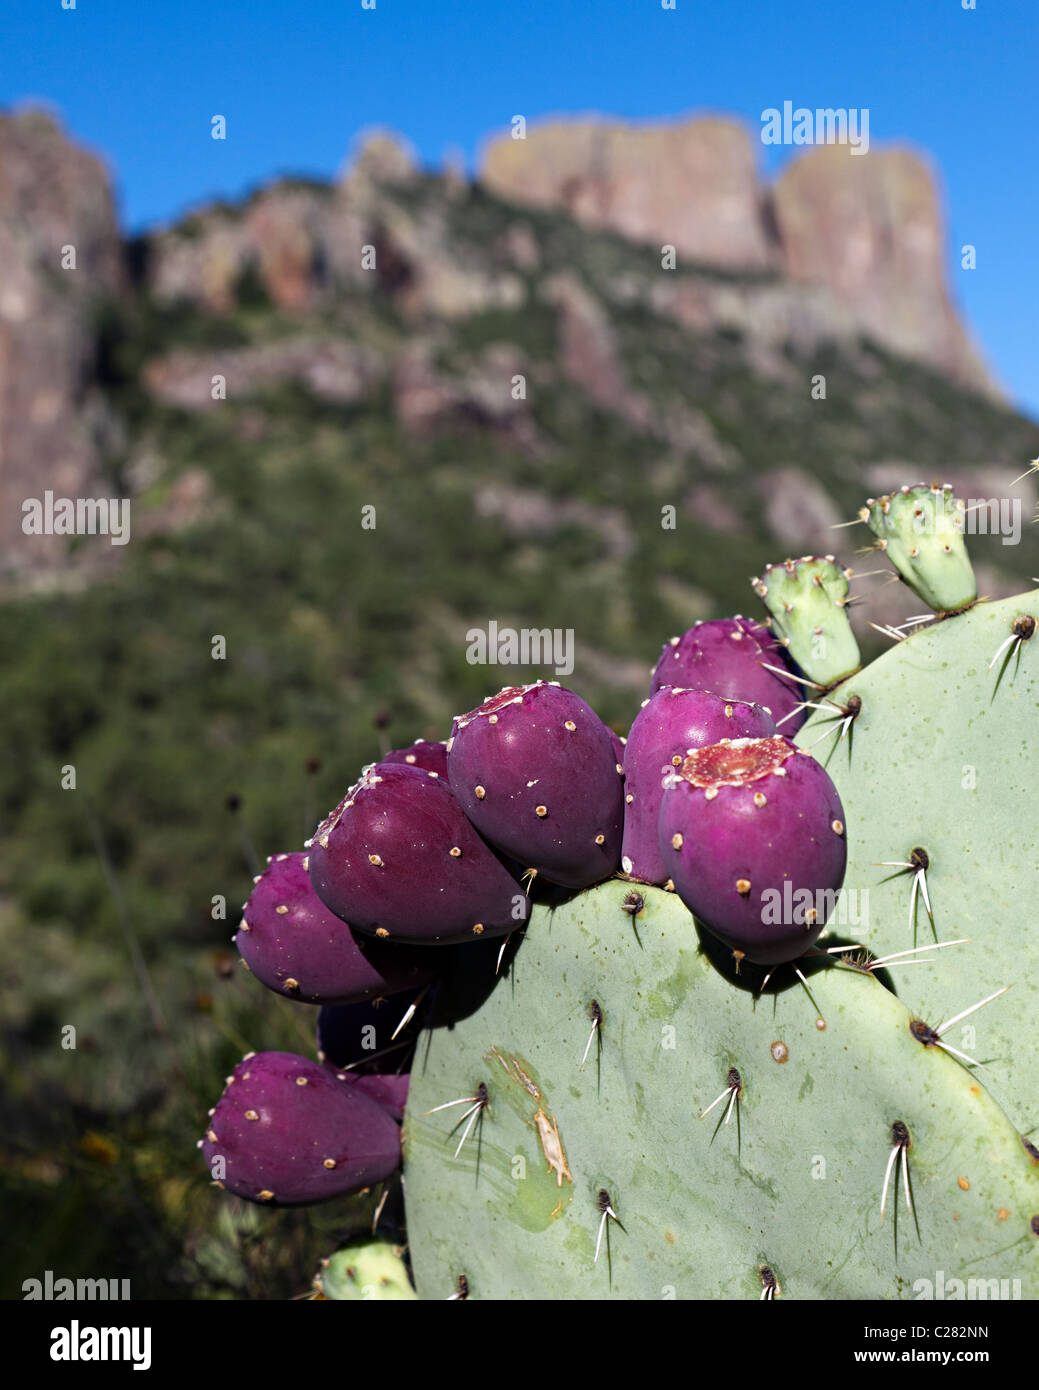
{"x": 870, "y": 229}
{"x": 299, "y": 243}
{"x": 588, "y": 352}
{"x": 692, "y": 185}
{"x": 60, "y": 254}
{"x": 333, "y": 370}
{"x": 867, "y": 229}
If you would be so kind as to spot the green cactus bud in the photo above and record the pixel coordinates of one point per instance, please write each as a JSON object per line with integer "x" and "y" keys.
{"x": 807, "y": 599}
{"x": 366, "y": 1269}
{"x": 920, "y": 530}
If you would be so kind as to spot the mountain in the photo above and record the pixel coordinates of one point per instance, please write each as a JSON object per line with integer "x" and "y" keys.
{"x": 551, "y": 259}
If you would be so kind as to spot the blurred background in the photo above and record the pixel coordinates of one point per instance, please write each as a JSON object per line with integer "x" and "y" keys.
{"x": 369, "y": 294}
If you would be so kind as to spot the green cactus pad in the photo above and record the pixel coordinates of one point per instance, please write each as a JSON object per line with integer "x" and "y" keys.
{"x": 920, "y": 530}
{"x": 944, "y": 760}
{"x": 791, "y": 1185}
{"x": 806, "y": 599}
{"x": 366, "y": 1269}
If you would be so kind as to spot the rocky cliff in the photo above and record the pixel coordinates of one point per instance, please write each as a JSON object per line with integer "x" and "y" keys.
{"x": 694, "y": 184}
{"x": 868, "y": 229}
{"x": 60, "y": 254}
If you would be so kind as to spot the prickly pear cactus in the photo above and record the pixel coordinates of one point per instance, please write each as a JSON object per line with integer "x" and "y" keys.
{"x": 615, "y": 1103}
{"x": 595, "y": 1178}
{"x": 940, "y": 758}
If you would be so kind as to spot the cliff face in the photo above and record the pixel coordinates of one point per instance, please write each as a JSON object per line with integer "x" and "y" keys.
{"x": 53, "y": 195}
{"x": 298, "y": 241}
{"x": 871, "y": 230}
{"x": 692, "y": 185}
{"x": 866, "y": 228}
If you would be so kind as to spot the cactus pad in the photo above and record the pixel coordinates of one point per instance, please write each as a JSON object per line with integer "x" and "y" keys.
{"x": 944, "y": 761}
{"x": 788, "y": 1191}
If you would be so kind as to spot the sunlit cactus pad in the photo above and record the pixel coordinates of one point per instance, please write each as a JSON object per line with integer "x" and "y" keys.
{"x": 944, "y": 759}
{"x": 788, "y": 1193}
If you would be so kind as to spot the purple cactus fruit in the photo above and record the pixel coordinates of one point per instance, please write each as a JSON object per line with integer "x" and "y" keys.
{"x": 752, "y": 834}
{"x": 730, "y": 657}
{"x": 390, "y": 1090}
{"x": 670, "y": 724}
{"x": 430, "y": 757}
{"x": 619, "y": 745}
{"x": 355, "y": 1042}
{"x": 286, "y": 1131}
{"x": 398, "y": 858}
{"x": 536, "y": 771}
{"x": 295, "y": 946}
{"x": 360, "y": 1036}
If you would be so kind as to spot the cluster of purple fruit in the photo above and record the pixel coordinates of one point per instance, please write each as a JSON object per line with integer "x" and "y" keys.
{"x": 438, "y": 846}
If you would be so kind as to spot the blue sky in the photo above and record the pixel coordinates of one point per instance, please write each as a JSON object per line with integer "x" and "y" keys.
{"x": 139, "y": 80}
